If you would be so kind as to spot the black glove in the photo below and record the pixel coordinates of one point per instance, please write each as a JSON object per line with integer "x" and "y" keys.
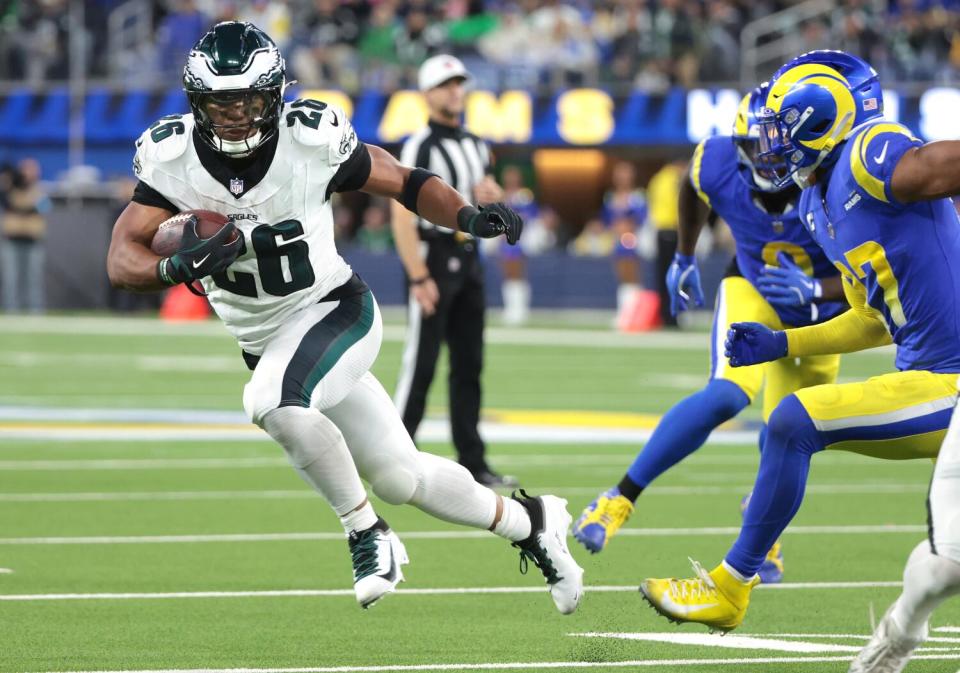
{"x": 200, "y": 257}
{"x": 491, "y": 221}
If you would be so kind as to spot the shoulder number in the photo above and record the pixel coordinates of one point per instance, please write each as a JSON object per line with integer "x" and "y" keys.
{"x": 309, "y": 117}
{"x": 165, "y": 127}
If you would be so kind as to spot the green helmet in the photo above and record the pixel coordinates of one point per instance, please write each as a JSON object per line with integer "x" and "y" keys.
{"x": 234, "y": 79}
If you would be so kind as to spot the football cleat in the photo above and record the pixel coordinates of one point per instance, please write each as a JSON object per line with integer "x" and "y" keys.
{"x": 888, "y": 651}
{"x": 377, "y": 555}
{"x": 716, "y": 599}
{"x": 771, "y": 572}
{"x": 601, "y": 520}
{"x": 547, "y": 549}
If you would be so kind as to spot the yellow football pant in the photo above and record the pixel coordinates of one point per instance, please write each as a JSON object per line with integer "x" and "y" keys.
{"x": 739, "y": 301}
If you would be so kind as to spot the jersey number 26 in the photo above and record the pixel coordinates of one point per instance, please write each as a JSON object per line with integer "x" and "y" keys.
{"x": 270, "y": 262}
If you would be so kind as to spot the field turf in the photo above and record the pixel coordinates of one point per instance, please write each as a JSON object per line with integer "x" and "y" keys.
{"x": 128, "y": 552}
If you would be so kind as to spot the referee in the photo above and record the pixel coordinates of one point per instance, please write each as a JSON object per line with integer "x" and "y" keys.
{"x": 443, "y": 269}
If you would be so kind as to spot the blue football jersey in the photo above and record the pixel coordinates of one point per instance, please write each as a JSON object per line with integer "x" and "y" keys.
{"x": 760, "y": 236}
{"x": 902, "y": 257}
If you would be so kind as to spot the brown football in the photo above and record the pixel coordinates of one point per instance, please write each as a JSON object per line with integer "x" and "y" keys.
{"x": 167, "y": 239}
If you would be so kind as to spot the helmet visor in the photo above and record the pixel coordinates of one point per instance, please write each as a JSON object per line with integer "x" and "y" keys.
{"x": 234, "y": 115}
{"x": 775, "y": 144}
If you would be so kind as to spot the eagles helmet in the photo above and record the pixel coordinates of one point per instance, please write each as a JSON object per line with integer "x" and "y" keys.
{"x": 234, "y": 79}
{"x": 757, "y": 173}
{"x": 815, "y": 102}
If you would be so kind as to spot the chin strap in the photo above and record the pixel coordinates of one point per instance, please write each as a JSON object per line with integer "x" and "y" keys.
{"x": 240, "y": 148}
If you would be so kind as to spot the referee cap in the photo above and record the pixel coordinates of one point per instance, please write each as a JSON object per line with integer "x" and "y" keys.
{"x": 439, "y": 69}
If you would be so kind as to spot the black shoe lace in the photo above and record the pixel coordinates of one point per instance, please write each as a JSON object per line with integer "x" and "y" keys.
{"x": 538, "y": 555}
{"x": 363, "y": 553}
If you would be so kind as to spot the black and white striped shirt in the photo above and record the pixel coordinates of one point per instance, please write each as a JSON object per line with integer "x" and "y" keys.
{"x": 460, "y": 158}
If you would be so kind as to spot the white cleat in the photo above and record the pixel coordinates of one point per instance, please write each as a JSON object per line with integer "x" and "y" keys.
{"x": 888, "y": 651}
{"x": 377, "y": 555}
{"x": 547, "y": 549}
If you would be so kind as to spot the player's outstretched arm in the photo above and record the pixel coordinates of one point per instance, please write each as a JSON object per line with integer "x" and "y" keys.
{"x": 430, "y": 197}
{"x": 927, "y": 172}
{"x": 131, "y": 264}
{"x": 683, "y": 276}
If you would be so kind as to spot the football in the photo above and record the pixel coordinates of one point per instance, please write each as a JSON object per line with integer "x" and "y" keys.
{"x": 166, "y": 241}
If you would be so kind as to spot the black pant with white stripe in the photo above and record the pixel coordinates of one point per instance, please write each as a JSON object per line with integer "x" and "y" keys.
{"x": 458, "y": 320}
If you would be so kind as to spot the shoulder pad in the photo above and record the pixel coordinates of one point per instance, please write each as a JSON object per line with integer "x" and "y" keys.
{"x": 875, "y": 153}
{"x": 165, "y": 139}
{"x": 317, "y": 124}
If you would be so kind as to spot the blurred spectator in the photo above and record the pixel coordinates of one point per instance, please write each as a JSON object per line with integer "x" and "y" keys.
{"x": 272, "y": 16}
{"x": 374, "y": 234}
{"x": 515, "y": 287}
{"x": 649, "y": 44}
{"x": 176, "y": 35}
{"x": 663, "y": 193}
{"x": 24, "y": 227}
{"x": 594, "y": 241}
{"x": 624, "y": 213}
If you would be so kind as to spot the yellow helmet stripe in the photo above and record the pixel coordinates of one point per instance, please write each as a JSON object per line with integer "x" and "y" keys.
{"x": 740, "y": 127}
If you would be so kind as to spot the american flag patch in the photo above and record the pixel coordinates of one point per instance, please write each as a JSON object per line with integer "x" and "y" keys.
{"x": 869, "y": 104}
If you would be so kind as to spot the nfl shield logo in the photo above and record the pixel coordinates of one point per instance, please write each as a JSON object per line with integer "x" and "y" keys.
{"x": 236, "y": 186}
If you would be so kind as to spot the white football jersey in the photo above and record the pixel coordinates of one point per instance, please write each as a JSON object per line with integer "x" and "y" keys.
{"x": 289, "y": 259}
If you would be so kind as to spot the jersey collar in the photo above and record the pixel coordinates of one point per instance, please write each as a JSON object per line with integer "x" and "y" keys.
{"x": 238, "y": 176}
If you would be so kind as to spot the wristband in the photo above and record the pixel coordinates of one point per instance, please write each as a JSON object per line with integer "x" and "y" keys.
{"x": 163, "y": 272}
{"x": 420, "y": 281}
{"x": 465, "y": 217}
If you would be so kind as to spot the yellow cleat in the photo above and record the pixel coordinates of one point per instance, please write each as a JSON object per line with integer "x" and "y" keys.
{"x": 716, "y": 599}
{"x": 602, "y": 519}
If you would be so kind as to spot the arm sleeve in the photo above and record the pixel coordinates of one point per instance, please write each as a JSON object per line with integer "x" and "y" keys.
{"x": 696, "y": 167}
{"x": 146, "y": 195}
{"x": 874, "y": 156}
{"x": 857, "y": 329}
{"x": 352, "y": 174}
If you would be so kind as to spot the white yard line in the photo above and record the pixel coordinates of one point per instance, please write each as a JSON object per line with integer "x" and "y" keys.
{"x": 527, "y": 665}
{"x": 305, "y": 494}
{"x": 441, "y": 535}
{"x": 545, "y": 337}
{"x": 440, "y": 591}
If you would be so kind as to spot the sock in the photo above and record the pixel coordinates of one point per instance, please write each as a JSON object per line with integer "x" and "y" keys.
{"x": 317, "y": 451}
{"x": 784, "y": 463}
{"x": 736, "y": 573}
{"x": 361, "y": 518}
{"x": 514, "y": 523}
{"x": 928, "y": 580}
{"x": 624, "y": 292}
{"x": 683, "y": 430}
{"x": 448, "y": 491}
{"x": 516, "y": 301}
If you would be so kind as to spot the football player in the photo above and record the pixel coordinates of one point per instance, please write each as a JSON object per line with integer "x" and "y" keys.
{"x": 779, "y": 277}
{"x": 874, "y": 198}
{"x": 308, "y": 326}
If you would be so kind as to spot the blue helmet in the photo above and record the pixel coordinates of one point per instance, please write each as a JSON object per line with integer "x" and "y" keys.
{"x": 758, "y": 173}
{"x": 814, "y": 103}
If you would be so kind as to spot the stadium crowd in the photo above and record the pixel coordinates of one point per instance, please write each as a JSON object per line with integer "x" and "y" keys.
{"x": 371, "y": 44}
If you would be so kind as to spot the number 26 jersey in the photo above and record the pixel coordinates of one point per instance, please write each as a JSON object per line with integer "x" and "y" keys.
{"x": 279, "y": 200}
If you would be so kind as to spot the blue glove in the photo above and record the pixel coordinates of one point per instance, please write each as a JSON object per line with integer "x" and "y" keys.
{"x": 683, "y": 283}
{"x": 750, "y": 343}
{"x": 788, "y": 285}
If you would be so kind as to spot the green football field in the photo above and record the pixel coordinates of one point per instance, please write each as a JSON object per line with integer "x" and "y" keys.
{"x": 144, "y": 526}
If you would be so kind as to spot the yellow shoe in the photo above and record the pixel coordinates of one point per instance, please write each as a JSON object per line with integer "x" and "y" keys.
{"x": 602, "y": 519}
{"x": 716, "y": 599}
